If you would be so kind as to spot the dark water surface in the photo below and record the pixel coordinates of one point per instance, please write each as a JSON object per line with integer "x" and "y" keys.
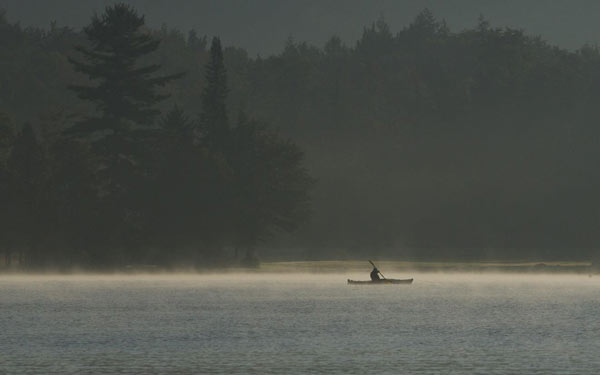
{"x": 299, "y": 324}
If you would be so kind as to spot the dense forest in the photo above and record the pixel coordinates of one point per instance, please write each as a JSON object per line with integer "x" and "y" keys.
{"x": 120, "y": 184}
{"x": 425, "y": 143}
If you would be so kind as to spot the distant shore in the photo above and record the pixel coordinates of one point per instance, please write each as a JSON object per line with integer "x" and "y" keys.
{"x": 475, "y": 267}
{"x": 348, "y": 266}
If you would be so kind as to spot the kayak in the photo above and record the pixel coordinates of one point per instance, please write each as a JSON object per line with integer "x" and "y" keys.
{"x": 382, "y": 281}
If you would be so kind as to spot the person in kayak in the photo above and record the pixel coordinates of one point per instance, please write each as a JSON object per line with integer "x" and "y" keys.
{"x": 375, "y": 274}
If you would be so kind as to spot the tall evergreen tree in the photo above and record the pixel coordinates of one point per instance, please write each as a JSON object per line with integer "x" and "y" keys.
{"x": 214, "y": 125}
{"x": 126, "y": 92}
{"x": 27, "y": 192}
{"x": 125, "y": 95}
{"x": 6, "y": 137}
{"x": 214, "y": 137}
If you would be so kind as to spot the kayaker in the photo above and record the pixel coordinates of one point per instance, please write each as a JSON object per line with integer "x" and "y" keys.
{"x": 375, "y": 274}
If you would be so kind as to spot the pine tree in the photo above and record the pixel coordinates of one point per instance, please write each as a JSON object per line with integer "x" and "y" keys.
{"x": 126, "y": 92}
{"x": 6, "y": 137}
{"x": 214, "y": 125}
{"x": 125, "y": 95}
{"x": 27, "y": 192}
{"x": 194, "y": 42}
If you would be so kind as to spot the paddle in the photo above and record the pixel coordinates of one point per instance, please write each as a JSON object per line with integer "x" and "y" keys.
{"x": 377, "y": 269}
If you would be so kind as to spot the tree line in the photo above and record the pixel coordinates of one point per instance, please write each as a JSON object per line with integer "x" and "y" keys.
{"x": 425, "y": 142}
{"x": 122, "y": 184}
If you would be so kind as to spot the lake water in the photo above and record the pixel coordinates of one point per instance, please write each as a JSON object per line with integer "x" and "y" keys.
{"x": 299, "y": 324}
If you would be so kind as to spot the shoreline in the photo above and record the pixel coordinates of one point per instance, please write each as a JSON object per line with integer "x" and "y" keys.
{"x": 339, "y": 266}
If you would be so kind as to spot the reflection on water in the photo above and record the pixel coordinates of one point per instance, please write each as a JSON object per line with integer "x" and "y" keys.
{"x": 263, "y": 324}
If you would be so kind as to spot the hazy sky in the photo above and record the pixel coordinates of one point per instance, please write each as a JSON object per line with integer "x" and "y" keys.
{"x": 261, "y": 26}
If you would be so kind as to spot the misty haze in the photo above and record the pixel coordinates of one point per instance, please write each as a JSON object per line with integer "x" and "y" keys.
{"x": 279, "y": 187}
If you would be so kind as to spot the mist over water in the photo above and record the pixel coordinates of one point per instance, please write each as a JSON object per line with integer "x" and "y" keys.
{"x": 299, "y": 323}
{"x": 447, "y": 152}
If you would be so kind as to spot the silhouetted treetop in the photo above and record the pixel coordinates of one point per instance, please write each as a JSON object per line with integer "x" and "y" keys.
{"x": 425, "y": 24}
{"x": 125, "y": 90}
